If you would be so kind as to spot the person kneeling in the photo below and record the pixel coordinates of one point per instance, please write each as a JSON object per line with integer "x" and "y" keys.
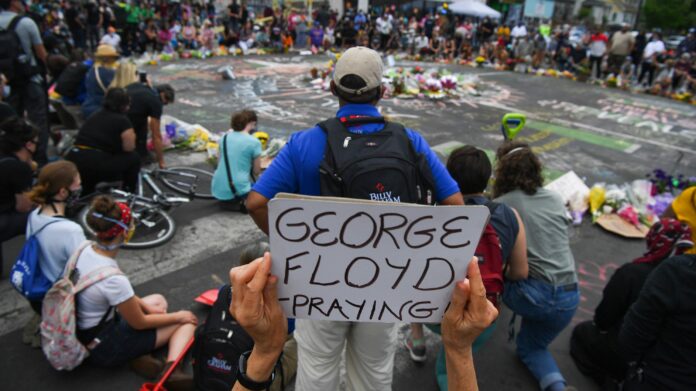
{"x": 114, "y": 323}
{"x": 239, "y": 162}
{"x": 105, "y": 145}
{"x": 594, "y": 345}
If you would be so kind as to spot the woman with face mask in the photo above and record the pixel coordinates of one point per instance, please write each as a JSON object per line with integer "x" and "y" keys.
{"x": 58, "y": 187}
{"x": 114, "y": 323}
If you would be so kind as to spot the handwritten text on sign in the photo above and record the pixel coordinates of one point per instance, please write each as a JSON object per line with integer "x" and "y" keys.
{"x": 370, "y": 262}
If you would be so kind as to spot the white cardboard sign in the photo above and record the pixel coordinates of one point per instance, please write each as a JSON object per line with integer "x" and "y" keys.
{"x": 365, "y": 261}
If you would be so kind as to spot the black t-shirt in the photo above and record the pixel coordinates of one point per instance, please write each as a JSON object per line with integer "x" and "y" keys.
{"x": 6, "y": 111}
{"x": 429, "y": 25}
{"x": 489, "y": 27}
{"x": 234, "y": 9}
{"x": 145, "y": 102}
{"x": 72, "y": 16}
{"x": 15, "y": 178}
{"x": 102, "y": 131}
{"x": 349, "y": 33}
{"x": 92, "y": 14}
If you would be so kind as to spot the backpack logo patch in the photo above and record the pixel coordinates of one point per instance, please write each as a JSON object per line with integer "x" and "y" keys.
{"x": 219, "y": 364}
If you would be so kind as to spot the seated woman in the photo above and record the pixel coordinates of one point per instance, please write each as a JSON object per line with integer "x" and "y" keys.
{"x": 104, "y": 148}
{"x": 594, "y": 344}
{"x": 658, "y": 334}
{"x": 99, "y": 78}
{"x": 116, "y": 324}
{"x": 548, "y": 298}
{"x": 58, "y": 187}
{"x": 18, "y": 141}
{"x": 239, "y": 162}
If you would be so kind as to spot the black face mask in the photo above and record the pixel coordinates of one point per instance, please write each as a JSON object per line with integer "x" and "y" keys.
{"x": 73, "y": 197}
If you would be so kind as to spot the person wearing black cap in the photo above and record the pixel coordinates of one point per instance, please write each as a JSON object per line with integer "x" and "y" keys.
{"x": 370, "y": 347}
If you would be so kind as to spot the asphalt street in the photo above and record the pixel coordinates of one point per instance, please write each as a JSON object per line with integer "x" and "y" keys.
{"x": 603, "y": 135}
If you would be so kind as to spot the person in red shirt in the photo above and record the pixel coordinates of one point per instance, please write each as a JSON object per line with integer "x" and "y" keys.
{"x": 598, "y": 48}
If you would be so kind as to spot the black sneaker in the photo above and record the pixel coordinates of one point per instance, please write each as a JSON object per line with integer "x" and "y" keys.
{"x": 416, "y": 349}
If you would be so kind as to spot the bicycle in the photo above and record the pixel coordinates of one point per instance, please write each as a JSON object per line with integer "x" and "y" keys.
{"x": 153, "y": 225}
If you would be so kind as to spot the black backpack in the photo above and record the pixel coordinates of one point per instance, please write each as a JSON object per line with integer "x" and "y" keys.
{"x": 218, "y": 344}
{"x": 14, "y": 62}
{"x": 70, "y": 80}
{"x": 381, "y": 166}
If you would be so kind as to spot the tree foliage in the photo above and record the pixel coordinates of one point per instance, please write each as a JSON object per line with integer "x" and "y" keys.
{"x": 669, "y": 14}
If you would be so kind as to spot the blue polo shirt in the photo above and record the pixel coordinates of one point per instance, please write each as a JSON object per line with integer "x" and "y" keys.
{"x": 296, "y": 168}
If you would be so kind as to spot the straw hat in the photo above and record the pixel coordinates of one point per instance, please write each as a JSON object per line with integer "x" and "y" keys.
{"x": 106, "y": 51}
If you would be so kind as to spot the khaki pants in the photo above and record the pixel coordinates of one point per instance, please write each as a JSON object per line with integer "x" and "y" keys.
{"x": 370, "y": 349}
{"x": 288, "y": 363}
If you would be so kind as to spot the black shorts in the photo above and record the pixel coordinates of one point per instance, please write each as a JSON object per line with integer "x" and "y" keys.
{"x": 120, "y": 343}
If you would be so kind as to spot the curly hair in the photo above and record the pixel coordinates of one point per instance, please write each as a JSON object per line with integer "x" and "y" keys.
{"x": 517, "y": 168}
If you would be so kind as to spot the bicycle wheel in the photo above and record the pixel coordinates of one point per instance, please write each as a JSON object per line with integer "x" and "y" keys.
{"x": 153, "y": 226}
{"x": 183, "y": 179}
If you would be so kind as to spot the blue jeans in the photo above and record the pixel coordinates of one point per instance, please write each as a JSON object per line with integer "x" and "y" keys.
{"x": 545, "y": 310}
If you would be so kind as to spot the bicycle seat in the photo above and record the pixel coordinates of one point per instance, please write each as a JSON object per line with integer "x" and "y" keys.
{"x": 105, "y": 187}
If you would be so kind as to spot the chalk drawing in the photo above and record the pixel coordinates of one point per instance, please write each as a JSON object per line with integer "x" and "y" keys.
{"x": 592, "y": 278}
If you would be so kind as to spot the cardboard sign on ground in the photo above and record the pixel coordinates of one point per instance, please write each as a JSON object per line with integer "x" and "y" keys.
{"x": 368, "y": 261}
{"x": 614, "y": 223}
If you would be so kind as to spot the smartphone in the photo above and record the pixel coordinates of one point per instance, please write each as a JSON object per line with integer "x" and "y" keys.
{"x": 143, "y": 77}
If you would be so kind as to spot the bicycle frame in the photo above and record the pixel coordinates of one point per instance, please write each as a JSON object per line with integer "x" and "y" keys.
{"x": 147, "y": 176}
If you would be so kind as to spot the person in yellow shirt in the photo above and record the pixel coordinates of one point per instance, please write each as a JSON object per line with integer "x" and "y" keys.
{"x": 504, "y": 32}
{"x": 683, "y": 208}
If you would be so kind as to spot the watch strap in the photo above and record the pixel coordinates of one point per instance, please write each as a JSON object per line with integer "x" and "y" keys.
{"x": 249, "y": 383}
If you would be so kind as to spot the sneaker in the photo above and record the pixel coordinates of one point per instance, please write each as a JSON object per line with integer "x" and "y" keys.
{"x": 416, "y": 348}
{"x": 147, "y": 366}
{"x": 178, "y": 380}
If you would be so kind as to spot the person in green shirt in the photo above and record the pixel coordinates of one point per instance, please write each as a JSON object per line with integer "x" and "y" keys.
{"x": 132, "y": 21}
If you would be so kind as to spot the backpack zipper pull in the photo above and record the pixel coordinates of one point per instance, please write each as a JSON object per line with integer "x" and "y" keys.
{"x": 346, "y": 141}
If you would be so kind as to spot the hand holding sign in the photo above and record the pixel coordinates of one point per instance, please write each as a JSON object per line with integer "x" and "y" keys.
{"x": 469, "y": 312}
{"x": 255, "y": 305}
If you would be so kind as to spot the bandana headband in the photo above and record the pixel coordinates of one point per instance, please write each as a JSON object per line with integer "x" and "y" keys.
{"x": 119, "y": 225}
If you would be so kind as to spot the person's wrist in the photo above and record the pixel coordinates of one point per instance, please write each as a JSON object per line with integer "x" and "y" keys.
{"x": 459, "y": 352}
{"x": 261, "y": 363}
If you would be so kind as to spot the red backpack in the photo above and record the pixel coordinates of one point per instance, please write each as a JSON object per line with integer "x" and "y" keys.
{"x": 490, "y": 258}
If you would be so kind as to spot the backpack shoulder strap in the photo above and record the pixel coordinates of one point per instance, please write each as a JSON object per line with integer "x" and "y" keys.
{"x": 223, "y": 151}
{"x": 42, "y": 228}
{"x": 95, "y": 276}
{"x": 14, "y": 22}
{"x": 99, "y": 81}
{"x": 72, "y": 262}
{"x": 492, "y": 206}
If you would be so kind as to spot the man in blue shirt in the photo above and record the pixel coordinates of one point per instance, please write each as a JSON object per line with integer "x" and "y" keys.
{"x": 370, "y": 347}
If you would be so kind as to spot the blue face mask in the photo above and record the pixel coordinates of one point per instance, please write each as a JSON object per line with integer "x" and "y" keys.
{"x": 6, "y": 91}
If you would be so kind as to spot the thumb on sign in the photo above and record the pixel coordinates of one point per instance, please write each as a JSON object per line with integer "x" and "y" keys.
{"x": 469, "y": 312}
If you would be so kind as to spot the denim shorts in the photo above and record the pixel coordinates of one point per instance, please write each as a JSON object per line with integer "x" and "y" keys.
{"x": 120, "y": 343}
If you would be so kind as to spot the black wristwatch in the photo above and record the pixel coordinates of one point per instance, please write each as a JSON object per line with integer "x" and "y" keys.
{"x": 245, "y": 381}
